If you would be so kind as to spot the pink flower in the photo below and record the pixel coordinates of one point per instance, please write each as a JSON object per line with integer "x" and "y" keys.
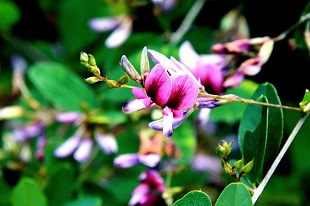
{"x": 170, "y": 86}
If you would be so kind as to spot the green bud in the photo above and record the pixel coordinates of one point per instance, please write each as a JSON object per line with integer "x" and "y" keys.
{"x": 83, "y": 57}
{"x": 247, "y": 168}
{"x": 220, "y": 151}
{"x": 227, "y": 168}
{"x": 144, "y": 63}
{"x": 111, "y": 84}
{"x": 130, "y": 70}
{"x": 237, "y": 165}
{"x": 124, "y": 79}
{"x": 92, "y": 80}
{"x": 11, "y": 112}
{"x": 91, "y": 60}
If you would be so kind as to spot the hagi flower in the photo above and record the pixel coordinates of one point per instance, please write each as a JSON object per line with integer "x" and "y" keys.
{"x": 170, "y": 86}
{"x": 121, "y": 26}
{"x": 164, "y": 5}
{"x": 80, "y": 144}
{"x": 150, "y": 189}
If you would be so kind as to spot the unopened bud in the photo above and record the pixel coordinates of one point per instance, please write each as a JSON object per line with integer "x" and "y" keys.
{"x": 247, "y": 168}
{"x": 91, "y": 60}
{"x": 83, "y": 57}
{"x": 92, "y": 80}
{"x": 145, "y": 65}
{"x": 130, "y": 70}
{"x": 220, "y": 151}
{"x": 305, "y": 103}
{"x": 266, "y": 50}
{"x": 11, "y": 112}
{"x": 238, "y": 164}
{"x": 227, "y": 168}
{"x": 124, "y": 79}
{"x": 111, "y": 84}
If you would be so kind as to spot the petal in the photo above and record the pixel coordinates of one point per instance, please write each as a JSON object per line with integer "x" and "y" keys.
{"x": 107, "y": 143}
{"x": 67, "y": 147}
{"x": 158, "y": 85}
{"x": 251, "y": 66}
{"x": 103, "y": 24}
{"x": 68, "y": 117}
{"x": 188, "y": 55}
{"x": 167, "y": 122}
{"x": 204, "y": 116}
{"x": 154, "y": 177}
{"x": 184, "y": 92}
{"x": 126, "y": 160}
{"x": 139, "y": 193}
{"x": 83, "y": 152}
{"x": 133, "y": 106}
{"x": 234, "y": 80}
{"x": 139, "y": 93}
{"x": 120, "y": 34}
{"x": 150, "y": 160}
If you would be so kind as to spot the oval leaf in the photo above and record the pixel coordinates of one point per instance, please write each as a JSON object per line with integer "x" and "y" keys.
{"x": 194, "y": 198}
{"x": 235, "y": 194}
{"x": 61, "y": 87}
{"x": 28, "y": 193}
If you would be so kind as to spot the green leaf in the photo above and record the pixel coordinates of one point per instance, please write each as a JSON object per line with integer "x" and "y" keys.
{"x": 235, "y": 194}
{"x": 61, "y": 87}
{"x": 233, "y": 112}
{"x": 89, "y": 201}
{"x": 9, "y": 13}
{"x": 28, "y": 193}
{"x": 60, "y": 184}
{"x": 194, "y": 198}
{"x": 185, "y": 140}
{"x": 5, "y": 192}
{"x": 299, "y": 34}
{"x": 253, "y": 137}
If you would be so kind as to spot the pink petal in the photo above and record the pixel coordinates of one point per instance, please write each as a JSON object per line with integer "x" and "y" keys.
{"x": 120, "y": 34}
{"x": 251, "y": 66}
{"x": 139, "y": 193}
{"x": 68, "y": 147}
{"x": 126, "y": 160}
{"x": 139, "y": 93}
{"x": 158, "y": 85}
{"x": 103, "y": 24}
{"x": 150, "y": 160}
{"x": 234, "y": 80}
{"x": 68, "y": 117}
{"x": 83, "y": 152}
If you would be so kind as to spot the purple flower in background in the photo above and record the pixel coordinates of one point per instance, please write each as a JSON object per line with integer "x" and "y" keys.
{"x": 131, "y": 159}
{"x": 165, "y": 5}
{"x": 149, "y": 191}
{"x": 80, "y": 144}
{"x": 120, "y": 26}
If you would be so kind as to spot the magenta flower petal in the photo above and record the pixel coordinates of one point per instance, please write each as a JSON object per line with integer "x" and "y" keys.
{"x": 150, "y": 160}
{"x": 126, "y": 160}
{"x": 251, "y": 66}
{"x": 184, "y": 92}
{"x": 234, "y": 80}
{"x": 139, "y": 93}
{"x": 158, "y": 85}
{"x": 139, "y": 194}
{"x": 67, "y": 148}
{"x": 83, "y": 151}
{"x": 107, "y": 143}
{"x": 153, "y": 177}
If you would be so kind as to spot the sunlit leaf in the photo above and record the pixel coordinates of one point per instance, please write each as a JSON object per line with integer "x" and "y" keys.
{"x": 61, "y": 87}
{"x": 194, "y": 198}
{"x": 9, "y": 13}
{"x": 235, "y": 194}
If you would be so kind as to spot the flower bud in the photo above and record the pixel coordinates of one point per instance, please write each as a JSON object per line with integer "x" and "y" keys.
{"x": 111, "y": 84}
{"x": 247, "y": 168}
{"x": 265, "y": 50}
{"x": 91, "y": 60}
{"x": 11, "y": 112}
{"x": 92, "y": 80}
{"x": 83, "y": 57}
{"x": 124, "y": 79}
{"x": 145, "y": 65}
{"x": 238, "y": 164}
{"x": 130, "y": 70}
{"x": 220, "y": 151}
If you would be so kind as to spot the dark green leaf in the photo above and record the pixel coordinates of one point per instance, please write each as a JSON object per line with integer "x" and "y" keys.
{"x": 60, "y": 184}
{"x": 61, "y": 87}
{"x": 299, "y": 35}
{"x": 194, "y": 198}
{"x": 9, "y": 13}
{"x": 5, "y": 192}
{"x": 234, "y": 112}
{"x": 28, "y": 193}
{"x": 235, "y": 194}
{"x": 254, "y": 140}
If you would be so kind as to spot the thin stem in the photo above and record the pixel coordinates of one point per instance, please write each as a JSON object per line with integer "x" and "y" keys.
{"x": 233, "y": 98}
{"x": 260, "y": 188}
{"x": 284, "y": 34}
{"x": 187, "y": 22}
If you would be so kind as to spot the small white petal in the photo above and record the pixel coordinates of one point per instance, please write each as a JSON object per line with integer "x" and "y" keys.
{"x": 133, "y": 106}
{"x": 126, "y": 160}
{"x": 67, "y": 147}
{"x": 120, "y": 34}
{"x": 150, "y": 160}
{"x": 107, "y": 143}
{"x": 103, "y": 24}
{"x": 68, "y": 117}
{"x": 84, "y": 150}
{"x": 188, "y": 55}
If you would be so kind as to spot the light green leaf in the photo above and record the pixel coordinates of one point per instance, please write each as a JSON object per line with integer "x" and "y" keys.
{"x": 9, "y": 13}
{"x": 28, "y": 193}
{"x": 61, "y": 87}
{"x": 194, "y": 198}
{"x": 89, "y": 201}
{"x": 235, "y": 194}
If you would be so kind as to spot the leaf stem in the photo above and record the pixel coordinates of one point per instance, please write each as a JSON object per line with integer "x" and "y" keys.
{"x": 260, "y": 188}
